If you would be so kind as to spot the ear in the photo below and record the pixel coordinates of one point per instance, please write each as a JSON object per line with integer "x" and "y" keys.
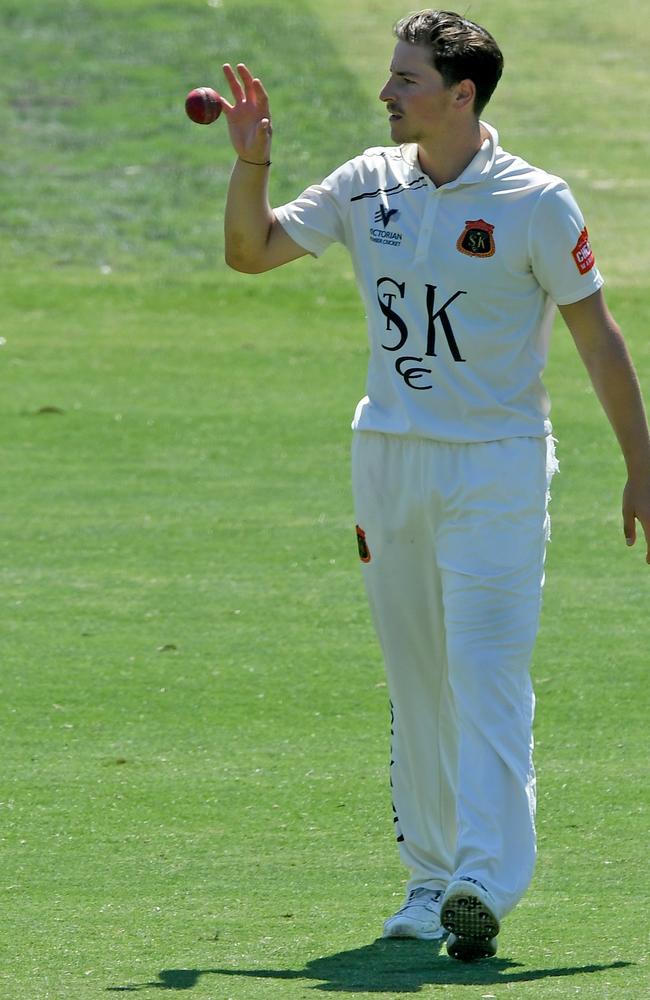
{"x": 465, "y": 94}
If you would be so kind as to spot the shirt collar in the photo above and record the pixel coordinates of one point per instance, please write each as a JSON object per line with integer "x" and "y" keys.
{"x": 476, "y": 170}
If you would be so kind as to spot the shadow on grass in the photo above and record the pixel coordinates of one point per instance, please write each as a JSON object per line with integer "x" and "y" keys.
{"x": 396, "y": 966}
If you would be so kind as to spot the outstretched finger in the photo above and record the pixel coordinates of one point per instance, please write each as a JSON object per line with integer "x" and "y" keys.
{"x": 646, "y": 531}
{"x": 248, "y": 81}
{"x": 226, "y": 105}
{"x": 261, "y": 98}
{"x": 628, "y": 512}
{"x": 629, "y": 530}
{"x": 235, "y": 85}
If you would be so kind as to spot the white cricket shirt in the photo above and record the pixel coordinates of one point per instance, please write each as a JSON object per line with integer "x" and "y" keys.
{"x": 459, "y": 283}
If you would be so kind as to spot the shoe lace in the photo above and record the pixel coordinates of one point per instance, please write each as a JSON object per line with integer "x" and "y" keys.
{"x": 428, "y": 898}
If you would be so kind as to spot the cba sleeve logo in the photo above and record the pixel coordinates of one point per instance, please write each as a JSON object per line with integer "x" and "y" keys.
{"x": 583, "y": 254}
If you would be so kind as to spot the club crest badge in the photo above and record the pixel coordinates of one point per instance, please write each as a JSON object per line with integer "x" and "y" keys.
{"x": 364, "y": 551}
{"x": 583, "y": 254}
{"x": 476, "y": 239}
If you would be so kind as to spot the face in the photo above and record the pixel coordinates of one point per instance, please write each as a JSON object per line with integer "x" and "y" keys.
{"x": 416, "y": 97}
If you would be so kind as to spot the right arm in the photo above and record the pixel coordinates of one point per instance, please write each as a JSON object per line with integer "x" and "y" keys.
{"x": 255, "y": 240}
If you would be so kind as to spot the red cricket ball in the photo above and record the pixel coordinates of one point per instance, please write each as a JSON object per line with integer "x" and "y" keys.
{"x": 203, "y": 105}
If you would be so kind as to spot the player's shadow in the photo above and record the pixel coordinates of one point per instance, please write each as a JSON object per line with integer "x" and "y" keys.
{"x": 396, "y": 966}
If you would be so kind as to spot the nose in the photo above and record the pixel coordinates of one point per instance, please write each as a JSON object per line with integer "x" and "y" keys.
{"x": 384, "y": 93}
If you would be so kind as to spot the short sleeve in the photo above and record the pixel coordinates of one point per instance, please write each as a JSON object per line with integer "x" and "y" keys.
{"x": 561, "y": 255}
{"x": 316, "y": 218}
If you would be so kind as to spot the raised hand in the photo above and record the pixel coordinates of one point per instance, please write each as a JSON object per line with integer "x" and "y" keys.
{"x": 249, "y": 118}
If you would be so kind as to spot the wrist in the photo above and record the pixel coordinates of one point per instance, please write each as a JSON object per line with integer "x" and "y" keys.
{"x": 255, "y": 163}
{"x": 637, "y": 461}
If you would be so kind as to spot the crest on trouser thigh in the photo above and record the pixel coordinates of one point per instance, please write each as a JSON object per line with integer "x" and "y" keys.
{"x": 364, "y": 551}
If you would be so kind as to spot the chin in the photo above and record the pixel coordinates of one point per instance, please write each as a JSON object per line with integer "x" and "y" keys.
{"x": 397, "y": 132}
{"x": 400, "y": 132}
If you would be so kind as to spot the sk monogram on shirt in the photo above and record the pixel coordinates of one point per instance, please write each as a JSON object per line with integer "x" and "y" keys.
{"x": 411, "y": 373}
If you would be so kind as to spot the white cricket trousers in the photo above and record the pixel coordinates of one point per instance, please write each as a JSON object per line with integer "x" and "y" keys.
{"x": 452, "y": 538}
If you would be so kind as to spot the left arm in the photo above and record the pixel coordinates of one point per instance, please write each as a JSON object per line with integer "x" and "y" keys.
{"x": 604, "y": 353}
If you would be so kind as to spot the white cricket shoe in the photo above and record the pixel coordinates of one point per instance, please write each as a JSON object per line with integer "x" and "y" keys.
{"x": 418, "y": 918}
{"x": 468, "y": 913}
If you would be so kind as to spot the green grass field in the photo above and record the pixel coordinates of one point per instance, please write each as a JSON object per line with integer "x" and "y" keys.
{"x": 195, "y": 727}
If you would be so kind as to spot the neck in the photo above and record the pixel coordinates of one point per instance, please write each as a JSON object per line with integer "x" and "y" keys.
{"x": 443, "y": 160}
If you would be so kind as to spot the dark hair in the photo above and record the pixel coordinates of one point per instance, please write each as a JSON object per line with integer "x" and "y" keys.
{"x": 460, "y": 49}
